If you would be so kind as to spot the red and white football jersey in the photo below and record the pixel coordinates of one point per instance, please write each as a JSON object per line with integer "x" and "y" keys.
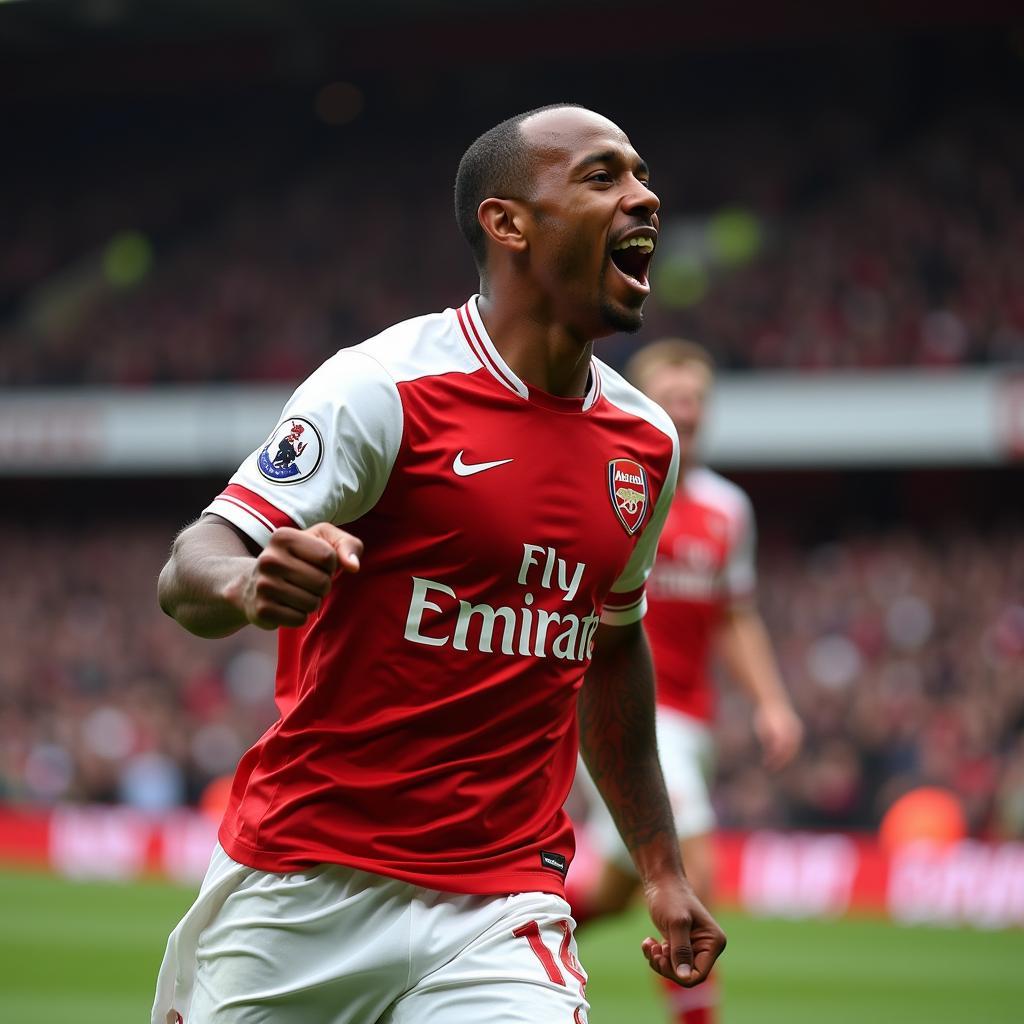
{"x": 427, "y": 724}
{"x": 705, "y": 562}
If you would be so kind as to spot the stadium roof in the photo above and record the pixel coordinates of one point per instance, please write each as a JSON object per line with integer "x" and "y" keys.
{"x": 34, "y": 24}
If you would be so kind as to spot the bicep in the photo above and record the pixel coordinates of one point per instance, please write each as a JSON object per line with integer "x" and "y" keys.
{"x": 616, "y": 702}
{"x": 620, "y": 672}
{"x": 611, "y": 640}
{"x": 212, "y": 534}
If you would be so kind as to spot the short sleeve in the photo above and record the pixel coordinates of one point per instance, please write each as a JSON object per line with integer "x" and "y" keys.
{"x": 740, "y": 575}
{"x": 627, "y": 601}
{"x": 328, "y": 459}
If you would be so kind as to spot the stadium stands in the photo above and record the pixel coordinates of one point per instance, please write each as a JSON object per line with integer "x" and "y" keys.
{"x": 841, "y": 249}
{"x": 840, "y": 203}
{"x": 903, "y": 654}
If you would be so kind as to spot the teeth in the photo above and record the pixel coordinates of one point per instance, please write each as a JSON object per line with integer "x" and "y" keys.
{"x": 646, "y": 244}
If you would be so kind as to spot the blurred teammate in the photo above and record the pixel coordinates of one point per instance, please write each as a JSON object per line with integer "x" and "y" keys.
{"x": 700, "y": 601}
{"x": 394, "y": 848}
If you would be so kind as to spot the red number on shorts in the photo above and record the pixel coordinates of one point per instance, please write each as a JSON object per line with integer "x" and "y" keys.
{"x": 531, "y": 932}
{"x": 568, "y": 957}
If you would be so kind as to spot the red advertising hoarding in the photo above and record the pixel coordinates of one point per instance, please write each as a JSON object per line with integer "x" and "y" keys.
{"x": 782, "y": 874}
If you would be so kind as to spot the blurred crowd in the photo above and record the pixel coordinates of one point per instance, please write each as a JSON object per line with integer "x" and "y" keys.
{"x": 103, "y": 698}
{"x": 905, "y": 656}
{"x": 872, "y": 256}
{"x": 817, "y": 246}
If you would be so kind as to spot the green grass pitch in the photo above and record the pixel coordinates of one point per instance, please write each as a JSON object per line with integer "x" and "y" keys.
{"x": 88, "y": 953}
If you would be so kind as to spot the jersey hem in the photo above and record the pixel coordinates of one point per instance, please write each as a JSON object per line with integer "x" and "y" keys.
{"x": 494, "y": 883}
{"x": 250, "y": 512}
{"x": 248, "y": 521}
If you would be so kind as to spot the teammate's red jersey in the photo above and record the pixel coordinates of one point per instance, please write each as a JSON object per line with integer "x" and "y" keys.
{"x": 427, "y": 724}
{"x": 705, "y": 561}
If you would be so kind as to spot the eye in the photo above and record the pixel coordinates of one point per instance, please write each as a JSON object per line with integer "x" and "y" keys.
{"x": 604, "y": 177}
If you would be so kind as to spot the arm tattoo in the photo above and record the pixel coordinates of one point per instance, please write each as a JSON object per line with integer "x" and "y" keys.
{"x": 617, "y": 739}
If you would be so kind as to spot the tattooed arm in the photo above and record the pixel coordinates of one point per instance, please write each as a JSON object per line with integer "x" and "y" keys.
{"x": 616, "y": 719}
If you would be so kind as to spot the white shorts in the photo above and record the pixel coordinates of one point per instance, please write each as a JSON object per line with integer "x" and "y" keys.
{"x": 686, "y": 751}
{"x": 334, "y": 945}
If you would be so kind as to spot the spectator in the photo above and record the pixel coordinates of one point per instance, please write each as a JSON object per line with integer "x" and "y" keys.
{"x": 904, "y": 656}
{"x": 862, "y": 255}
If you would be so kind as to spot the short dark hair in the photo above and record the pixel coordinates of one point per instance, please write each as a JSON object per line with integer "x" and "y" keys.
{"x": 497, "y": 165}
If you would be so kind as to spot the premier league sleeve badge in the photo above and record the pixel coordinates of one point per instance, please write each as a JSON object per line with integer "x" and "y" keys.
{"x": 293, "y": 452}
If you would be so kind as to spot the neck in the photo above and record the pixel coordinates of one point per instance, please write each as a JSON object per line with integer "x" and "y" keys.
{"x": 540, "y": 351}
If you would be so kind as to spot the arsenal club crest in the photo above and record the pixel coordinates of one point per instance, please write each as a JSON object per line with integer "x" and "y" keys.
{"x": 627, "y": 486}
{"x": 292, "y": 453}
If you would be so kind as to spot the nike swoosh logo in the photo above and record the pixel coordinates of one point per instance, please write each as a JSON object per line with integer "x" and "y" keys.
{"x": 468, "y": 469}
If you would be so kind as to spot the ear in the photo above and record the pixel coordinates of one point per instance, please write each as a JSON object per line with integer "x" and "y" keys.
{"x": 504, "y": 220}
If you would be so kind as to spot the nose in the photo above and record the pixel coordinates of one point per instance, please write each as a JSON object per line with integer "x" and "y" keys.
{"x": 640, "y": 199}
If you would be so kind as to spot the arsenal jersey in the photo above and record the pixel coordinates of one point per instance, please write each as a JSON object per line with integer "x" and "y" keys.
{"x": 705, "y": 562}
{"x": 427, "y": 725}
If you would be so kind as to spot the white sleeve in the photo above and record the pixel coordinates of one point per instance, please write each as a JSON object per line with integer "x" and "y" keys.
{"x": 739, "y": 577}
{"x": 627, "y": 601}
{"x": 328, "y": 459}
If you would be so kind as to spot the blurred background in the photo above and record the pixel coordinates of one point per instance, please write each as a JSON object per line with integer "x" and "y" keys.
{"x": 203, "y": 200}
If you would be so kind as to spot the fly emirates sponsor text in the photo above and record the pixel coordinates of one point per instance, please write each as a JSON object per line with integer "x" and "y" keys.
{"x": 523, "y": 630}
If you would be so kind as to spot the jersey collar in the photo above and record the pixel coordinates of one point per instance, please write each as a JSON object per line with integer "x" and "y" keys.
{"x": 483, "y": 348}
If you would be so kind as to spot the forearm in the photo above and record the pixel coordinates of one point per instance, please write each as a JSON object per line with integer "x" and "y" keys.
{"x": 201, "y": 583}
{"x": 617, "y": 739}
{"x": 745, "y": 648}
{"x": 747, "y": 652}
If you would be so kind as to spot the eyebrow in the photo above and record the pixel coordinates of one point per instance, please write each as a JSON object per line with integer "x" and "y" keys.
{"x": 607, "y": 156}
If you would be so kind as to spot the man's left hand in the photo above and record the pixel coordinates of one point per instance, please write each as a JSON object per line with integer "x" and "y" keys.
{"x": 691, "y": 939}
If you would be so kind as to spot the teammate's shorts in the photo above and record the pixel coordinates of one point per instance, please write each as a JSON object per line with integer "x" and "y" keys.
{"x": 686, "y": 750}
{"x": 334, "y": 945}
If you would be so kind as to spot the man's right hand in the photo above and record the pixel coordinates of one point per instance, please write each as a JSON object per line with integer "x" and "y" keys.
{"x": 780, "y": 732}
{"x": 292, "y": 575}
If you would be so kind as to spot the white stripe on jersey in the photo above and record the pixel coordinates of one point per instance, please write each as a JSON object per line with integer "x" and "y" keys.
{"x": 623, "y": 395}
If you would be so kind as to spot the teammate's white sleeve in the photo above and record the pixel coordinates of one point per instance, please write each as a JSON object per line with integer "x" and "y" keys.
{"x": 329, "y": 458}
{"x": 627, "y": 601}
{"x": 739, "y": 577}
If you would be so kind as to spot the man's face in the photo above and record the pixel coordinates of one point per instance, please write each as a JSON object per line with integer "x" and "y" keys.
{"x": 682, "y": 392}
{"x": 591, "y": 221}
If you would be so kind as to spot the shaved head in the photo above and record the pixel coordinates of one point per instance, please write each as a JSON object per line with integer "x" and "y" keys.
{"x": 500, "y": 164}
{"x": 552, "y": 128}
{"x": 558, "y": 209}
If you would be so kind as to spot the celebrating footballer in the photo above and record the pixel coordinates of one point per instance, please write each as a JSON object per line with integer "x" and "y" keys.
{"x": 451, "y": 528}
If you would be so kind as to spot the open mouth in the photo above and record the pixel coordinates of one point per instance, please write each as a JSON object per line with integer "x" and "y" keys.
{"x": 632, "y": 257}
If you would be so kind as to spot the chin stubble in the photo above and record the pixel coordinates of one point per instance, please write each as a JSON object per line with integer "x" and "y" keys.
{"x": 618, "y": 318}
{"x": 627, "y": 321}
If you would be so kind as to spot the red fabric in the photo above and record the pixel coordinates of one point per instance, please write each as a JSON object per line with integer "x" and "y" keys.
{"x": 254, "y": 502}
{"x": 626, "y": 600}
{"x": 685, "y": 601}
{"x": 442, "y": 766}
{"x": 698, "y": 1005}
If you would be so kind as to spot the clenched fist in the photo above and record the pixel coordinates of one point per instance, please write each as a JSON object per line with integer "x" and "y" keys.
{"x": 293, "y": 574}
